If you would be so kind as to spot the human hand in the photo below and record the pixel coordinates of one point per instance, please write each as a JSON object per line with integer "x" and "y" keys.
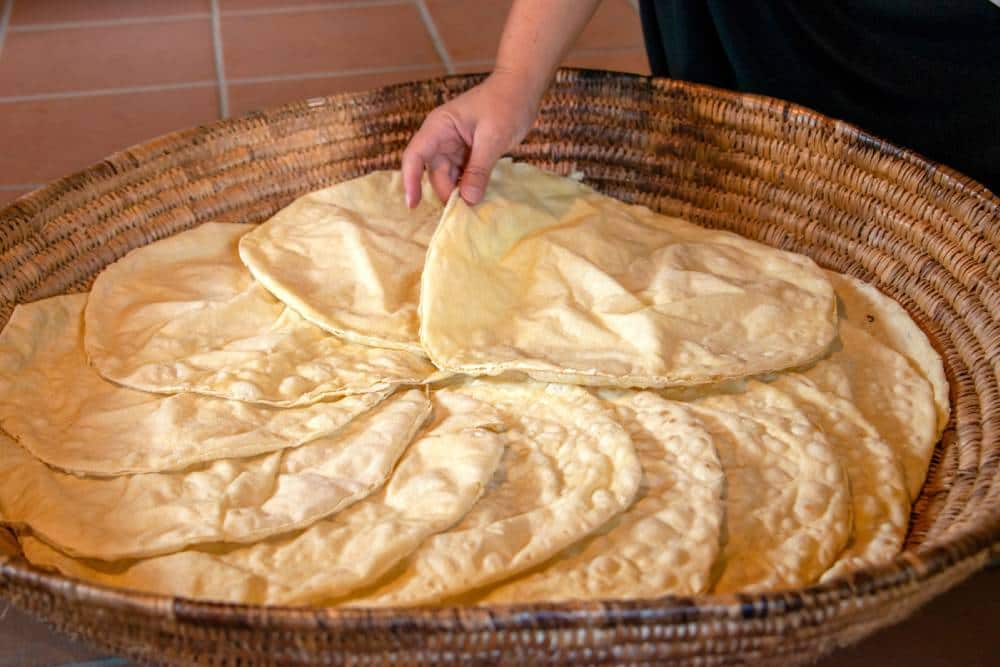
{"x": 461, "y": 140}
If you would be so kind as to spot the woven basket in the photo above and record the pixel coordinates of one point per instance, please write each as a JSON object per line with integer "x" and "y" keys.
{"x": 769, "y": 170}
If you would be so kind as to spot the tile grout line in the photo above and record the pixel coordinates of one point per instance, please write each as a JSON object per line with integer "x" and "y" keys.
{"x": 101, "y": 92}
{"x": 170, "y": 18}
{"x": 220, "y": 63}
{"x": 8, "y": 9}
{"x": 477, "y": 62}
{"x": 315, "y": 7}
{"x": 155, "y": 88}
{"x": 614, "y": 50}
{"x": 104, "y": 23}
{"x": 305, "y": 76}
{"x": 432, "y": 30}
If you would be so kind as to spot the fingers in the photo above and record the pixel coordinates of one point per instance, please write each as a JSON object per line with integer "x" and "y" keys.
{"x": 486, "y": 150}
{"x": 443, "y": 175}
{"x": 419, "y": 152}
{"x": 413, "y": 169}
{"x": 463, "y": 132}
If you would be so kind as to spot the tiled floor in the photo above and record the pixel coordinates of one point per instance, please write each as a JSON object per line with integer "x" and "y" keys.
{"x": 80, "y": 79}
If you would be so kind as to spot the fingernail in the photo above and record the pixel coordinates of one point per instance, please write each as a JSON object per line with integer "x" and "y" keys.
{"x": 471, "y": 194}
{"x": 410, "y": 200}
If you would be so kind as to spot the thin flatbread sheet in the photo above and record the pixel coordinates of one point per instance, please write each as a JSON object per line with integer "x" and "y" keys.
{"x": 891, "y": 390}
{"x": 64, "y": 413}
{"x": 232, "y": 500}
{"x": 788, "y": 502}
{"x": 880, "y": 504}
{"x": 184, "y": 314}
{"x": 438, "y": 479}
{"x": 886, "y": 321}
{"x": 361, "y": 234}
{"x": 663, "y": 544}
{"x": 548, "y": 277}
{"x": 569, "y": 468}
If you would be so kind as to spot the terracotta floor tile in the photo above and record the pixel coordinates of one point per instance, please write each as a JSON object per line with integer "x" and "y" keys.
{"x": 7, "y": 196}
{"x": 624, "y": 60}
{"x": 250, "y": 96}
{"x": 615, "y": 25}
{"x": 474, "y": 67}
{"x": 43, "y": 140}
{"x": 239, "y": 5}
{"x": 454, "y": 18}
{"x": 120, "y": 56}
{"x": 63, "y": 11}
{"x": 617, "y": 60}
{"x": 323, "y": 41}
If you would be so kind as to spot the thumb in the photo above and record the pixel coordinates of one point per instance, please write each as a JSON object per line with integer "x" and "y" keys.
{"x": 482, "y": 157}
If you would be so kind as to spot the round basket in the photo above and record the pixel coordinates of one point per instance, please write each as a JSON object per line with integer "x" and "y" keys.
{"x": 769, "y": 170}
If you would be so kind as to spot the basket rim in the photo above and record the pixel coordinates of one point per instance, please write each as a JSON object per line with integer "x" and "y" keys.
{"x": 981, "y": 541}
{"x": 795, "y": 113}
{"x": 496, "y": 617}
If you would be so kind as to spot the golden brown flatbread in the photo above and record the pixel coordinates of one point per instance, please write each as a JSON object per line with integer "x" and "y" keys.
{"x": 184, "y": 314}
{"x": 63, "y": 412}
{"x": 231, "y": 500}
{"x": 438, "y": 479}
{"x": 666, "y": 542}
{"x": 548, "y": 277}
{"x": 788, "y": 501}
{"x": 349, "y": 258}
{"x": 568, "y": 469}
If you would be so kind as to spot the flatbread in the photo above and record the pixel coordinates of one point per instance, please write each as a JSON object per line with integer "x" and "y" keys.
{"x": 438, "y": 479}
{"x": 890, "y": 393}
{"x": 667, "y": 541}
{"x": 880, "y": 504}
{"x": 64, "y": 413}
{"x": 569, "y": 468}
{"x": 886, "y": 321}
{"x": 349, "y": 258}
{"x": 788, "y": 503}
{"x": 885, "y": 365}
{"x": 232, "y": 500}
{"x": 549, "y": 277}
{"x": 184, "y": 314}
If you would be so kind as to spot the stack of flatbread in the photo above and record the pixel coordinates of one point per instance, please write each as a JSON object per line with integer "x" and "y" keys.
{"x": 551, "y": 395}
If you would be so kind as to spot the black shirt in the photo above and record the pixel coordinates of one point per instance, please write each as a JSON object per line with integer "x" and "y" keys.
{"x": 922, "y": 74}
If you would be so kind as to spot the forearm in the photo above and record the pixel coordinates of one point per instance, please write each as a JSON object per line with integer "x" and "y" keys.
{"x": 536, "y": 37}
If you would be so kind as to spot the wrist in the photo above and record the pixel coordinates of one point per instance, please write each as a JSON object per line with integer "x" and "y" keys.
{"x": 523, "y": 88}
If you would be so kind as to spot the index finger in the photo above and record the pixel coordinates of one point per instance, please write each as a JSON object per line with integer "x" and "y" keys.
{"x": 417, "y": 155}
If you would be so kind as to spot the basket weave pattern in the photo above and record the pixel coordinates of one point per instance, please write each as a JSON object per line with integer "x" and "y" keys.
{"x": 769, "y": 170}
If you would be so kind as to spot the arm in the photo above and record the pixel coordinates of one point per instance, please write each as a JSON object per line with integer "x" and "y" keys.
{"x": 460, "y": 141}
